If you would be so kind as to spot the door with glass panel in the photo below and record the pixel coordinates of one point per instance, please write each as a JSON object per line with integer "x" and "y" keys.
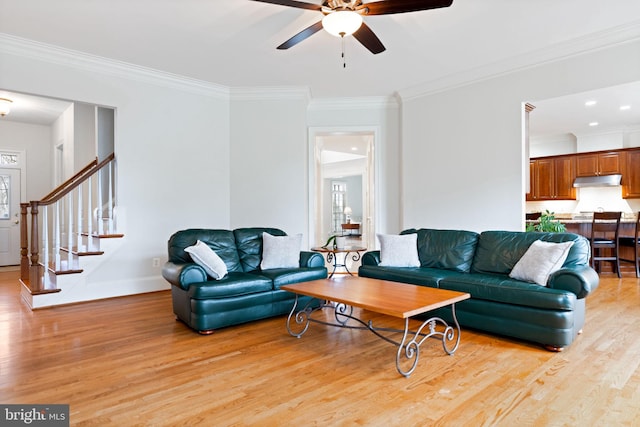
{"x": 9, "y": 216}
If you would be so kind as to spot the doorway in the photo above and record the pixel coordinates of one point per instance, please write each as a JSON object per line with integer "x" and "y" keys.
{"x": 10, "y": 193}
{"x": 342, "y": 165}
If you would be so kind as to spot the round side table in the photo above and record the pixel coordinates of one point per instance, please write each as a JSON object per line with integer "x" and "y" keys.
{"x": 332, "y": 259}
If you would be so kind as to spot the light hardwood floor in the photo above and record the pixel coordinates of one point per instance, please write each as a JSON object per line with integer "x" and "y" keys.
{"x": 127, "y": 362}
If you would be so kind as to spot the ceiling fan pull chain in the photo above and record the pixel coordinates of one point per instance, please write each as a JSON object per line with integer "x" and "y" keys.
{"x": 344, "y": 59}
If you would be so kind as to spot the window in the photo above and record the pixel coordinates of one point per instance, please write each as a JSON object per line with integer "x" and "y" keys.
{"x": 5, "y": 187}
{"x": 7, "y": 159}
{"x": 338, "y": 193}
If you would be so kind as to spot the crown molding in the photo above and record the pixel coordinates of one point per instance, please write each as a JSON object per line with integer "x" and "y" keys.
{"x": 270, "y": 93}
{"x": 30, "y": 49}
{"x": 592, "y": 42}
{"x": 359, "y": 103}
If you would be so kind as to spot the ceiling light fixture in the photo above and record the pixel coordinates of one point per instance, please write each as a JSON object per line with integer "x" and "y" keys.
{"x": 625, "y": 107}
{"x": 5, "y": 106}
{"x": 342, "y": 23}
{"x": 590, "y": 103}
{"x": 594, "y": 124}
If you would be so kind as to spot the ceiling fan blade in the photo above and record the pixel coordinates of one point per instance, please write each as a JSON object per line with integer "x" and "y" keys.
{"x": 388, "y": 7}
{"x": 368, "y": 39}
{"x": 293, "y": 3}
{"x": 307, "y": 32}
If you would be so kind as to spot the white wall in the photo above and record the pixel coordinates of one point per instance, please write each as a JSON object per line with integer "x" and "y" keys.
{"x": 632, "y": 139}
{"x": 35, "y": 141}
{"x": 62, "y": 146}
{"x": 268, "y": 161}
{"x": 552, "y": 145}
{"x": 172, "y": 149}
{"x": 463, "y": 156}
{"x": 84, "y": 135}
{"x": 600, "y": 141}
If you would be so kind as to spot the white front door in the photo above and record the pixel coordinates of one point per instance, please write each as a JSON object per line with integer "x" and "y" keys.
{"x": 9, "y": 216}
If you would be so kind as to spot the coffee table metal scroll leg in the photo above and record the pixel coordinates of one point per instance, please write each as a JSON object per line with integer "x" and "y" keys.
{"x": 301, "y": 319}
{"x": 409, "y": 349}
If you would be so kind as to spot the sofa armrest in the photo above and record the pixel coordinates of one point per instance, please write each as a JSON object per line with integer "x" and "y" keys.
{"x": 183, "y": 274}
{"x": 311, "y": 259}
{"x": 581, "y": 280}
{"x": 371, "y": 258}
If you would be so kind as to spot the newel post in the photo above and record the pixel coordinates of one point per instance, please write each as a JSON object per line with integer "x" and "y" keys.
{"x": 35, "y": 276}
{"x": 24, "y": 243}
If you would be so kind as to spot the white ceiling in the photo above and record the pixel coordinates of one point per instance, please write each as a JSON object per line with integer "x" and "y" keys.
{"x": 233, "y": 42}
{"x": 570, "y": 114}
{"x": 33, "y": 109}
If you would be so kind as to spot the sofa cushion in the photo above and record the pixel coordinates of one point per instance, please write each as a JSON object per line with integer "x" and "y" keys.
{"x": 222, "y": 242}
{"x": 233, "y": 285}
{"x": 429, "y": 277}
{"x": 448, "y": 249}
{"x": 205, "y": 257}
{"x": 500, "y": 288}
{"x": 287, "y": 276}
{"x": 280, "y": 251}
{"x": 249, "y": 243}
{"x": 499, "y": 251}
{"x": 540, "y": 260}
{"x": 398, "y": 250}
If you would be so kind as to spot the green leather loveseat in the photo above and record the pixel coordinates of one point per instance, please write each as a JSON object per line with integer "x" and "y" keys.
{"x": 480, "y": 264}
{"x": 246, "y": 293}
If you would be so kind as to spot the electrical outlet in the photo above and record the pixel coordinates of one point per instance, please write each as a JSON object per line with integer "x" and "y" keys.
{"x": 155, "y": 262}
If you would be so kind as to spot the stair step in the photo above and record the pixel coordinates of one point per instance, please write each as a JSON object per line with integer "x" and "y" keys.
{"x": 104, "y": 236}
{"x": 26, "y": 284}
{"x": 75, "y": 251}
{"x": 52, "y": 268}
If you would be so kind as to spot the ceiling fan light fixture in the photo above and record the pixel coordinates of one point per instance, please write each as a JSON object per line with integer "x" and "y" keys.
{"x": 5, "y": 106}
{"x": 342, "y": 23}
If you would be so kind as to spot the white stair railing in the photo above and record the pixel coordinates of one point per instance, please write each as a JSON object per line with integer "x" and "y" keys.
{"x": 64, "y": 230}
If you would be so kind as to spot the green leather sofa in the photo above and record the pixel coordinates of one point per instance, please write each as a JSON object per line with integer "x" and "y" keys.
{"x": 479, "y": 264}
{"x": 246, "y": 293}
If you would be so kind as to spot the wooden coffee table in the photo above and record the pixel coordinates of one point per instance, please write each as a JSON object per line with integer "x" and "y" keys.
{"x": 380, "y": 296}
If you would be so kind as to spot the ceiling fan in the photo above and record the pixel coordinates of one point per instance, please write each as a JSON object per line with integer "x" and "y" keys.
{"x": 344, "y": 17}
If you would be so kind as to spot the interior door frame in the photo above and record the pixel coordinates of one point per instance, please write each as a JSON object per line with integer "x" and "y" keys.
{"x": 318, "y": 131}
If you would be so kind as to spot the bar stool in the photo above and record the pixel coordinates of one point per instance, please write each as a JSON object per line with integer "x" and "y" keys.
{"x": 635, "y": 243}
{"x": 604, "y": 239}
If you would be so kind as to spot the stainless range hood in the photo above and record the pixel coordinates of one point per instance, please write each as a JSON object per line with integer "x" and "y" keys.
{"x": 598, "y": 181}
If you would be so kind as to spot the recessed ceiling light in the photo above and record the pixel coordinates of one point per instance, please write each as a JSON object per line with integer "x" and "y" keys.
{"x": 354, "y": 148}
{"x": 593, "y": 124}
{"x": 625, "y": 107}
{"x": 590, "y": 103}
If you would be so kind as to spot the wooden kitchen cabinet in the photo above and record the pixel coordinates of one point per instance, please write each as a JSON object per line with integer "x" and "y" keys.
{"x": 552, "y": 178}
{"x": 594, "y": 164}
{"x": 631, "y": 175}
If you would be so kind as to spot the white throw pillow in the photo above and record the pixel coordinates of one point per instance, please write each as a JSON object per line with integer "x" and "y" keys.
{"x": 540, "y": 260}
{"x": 280, "y": 251}
{"x": 206, "y": 257}
{"x": 399, "y": 250}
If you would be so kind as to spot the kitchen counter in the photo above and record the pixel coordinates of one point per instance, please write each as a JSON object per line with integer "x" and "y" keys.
{"x": 583, "y": 226}
{"x": 569, "y": 218}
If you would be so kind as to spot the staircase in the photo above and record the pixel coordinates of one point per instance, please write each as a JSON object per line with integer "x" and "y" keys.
{"x": 61, "y": 233}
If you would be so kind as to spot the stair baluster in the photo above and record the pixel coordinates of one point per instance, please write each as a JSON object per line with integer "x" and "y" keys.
{"x": 66, "y": 225}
